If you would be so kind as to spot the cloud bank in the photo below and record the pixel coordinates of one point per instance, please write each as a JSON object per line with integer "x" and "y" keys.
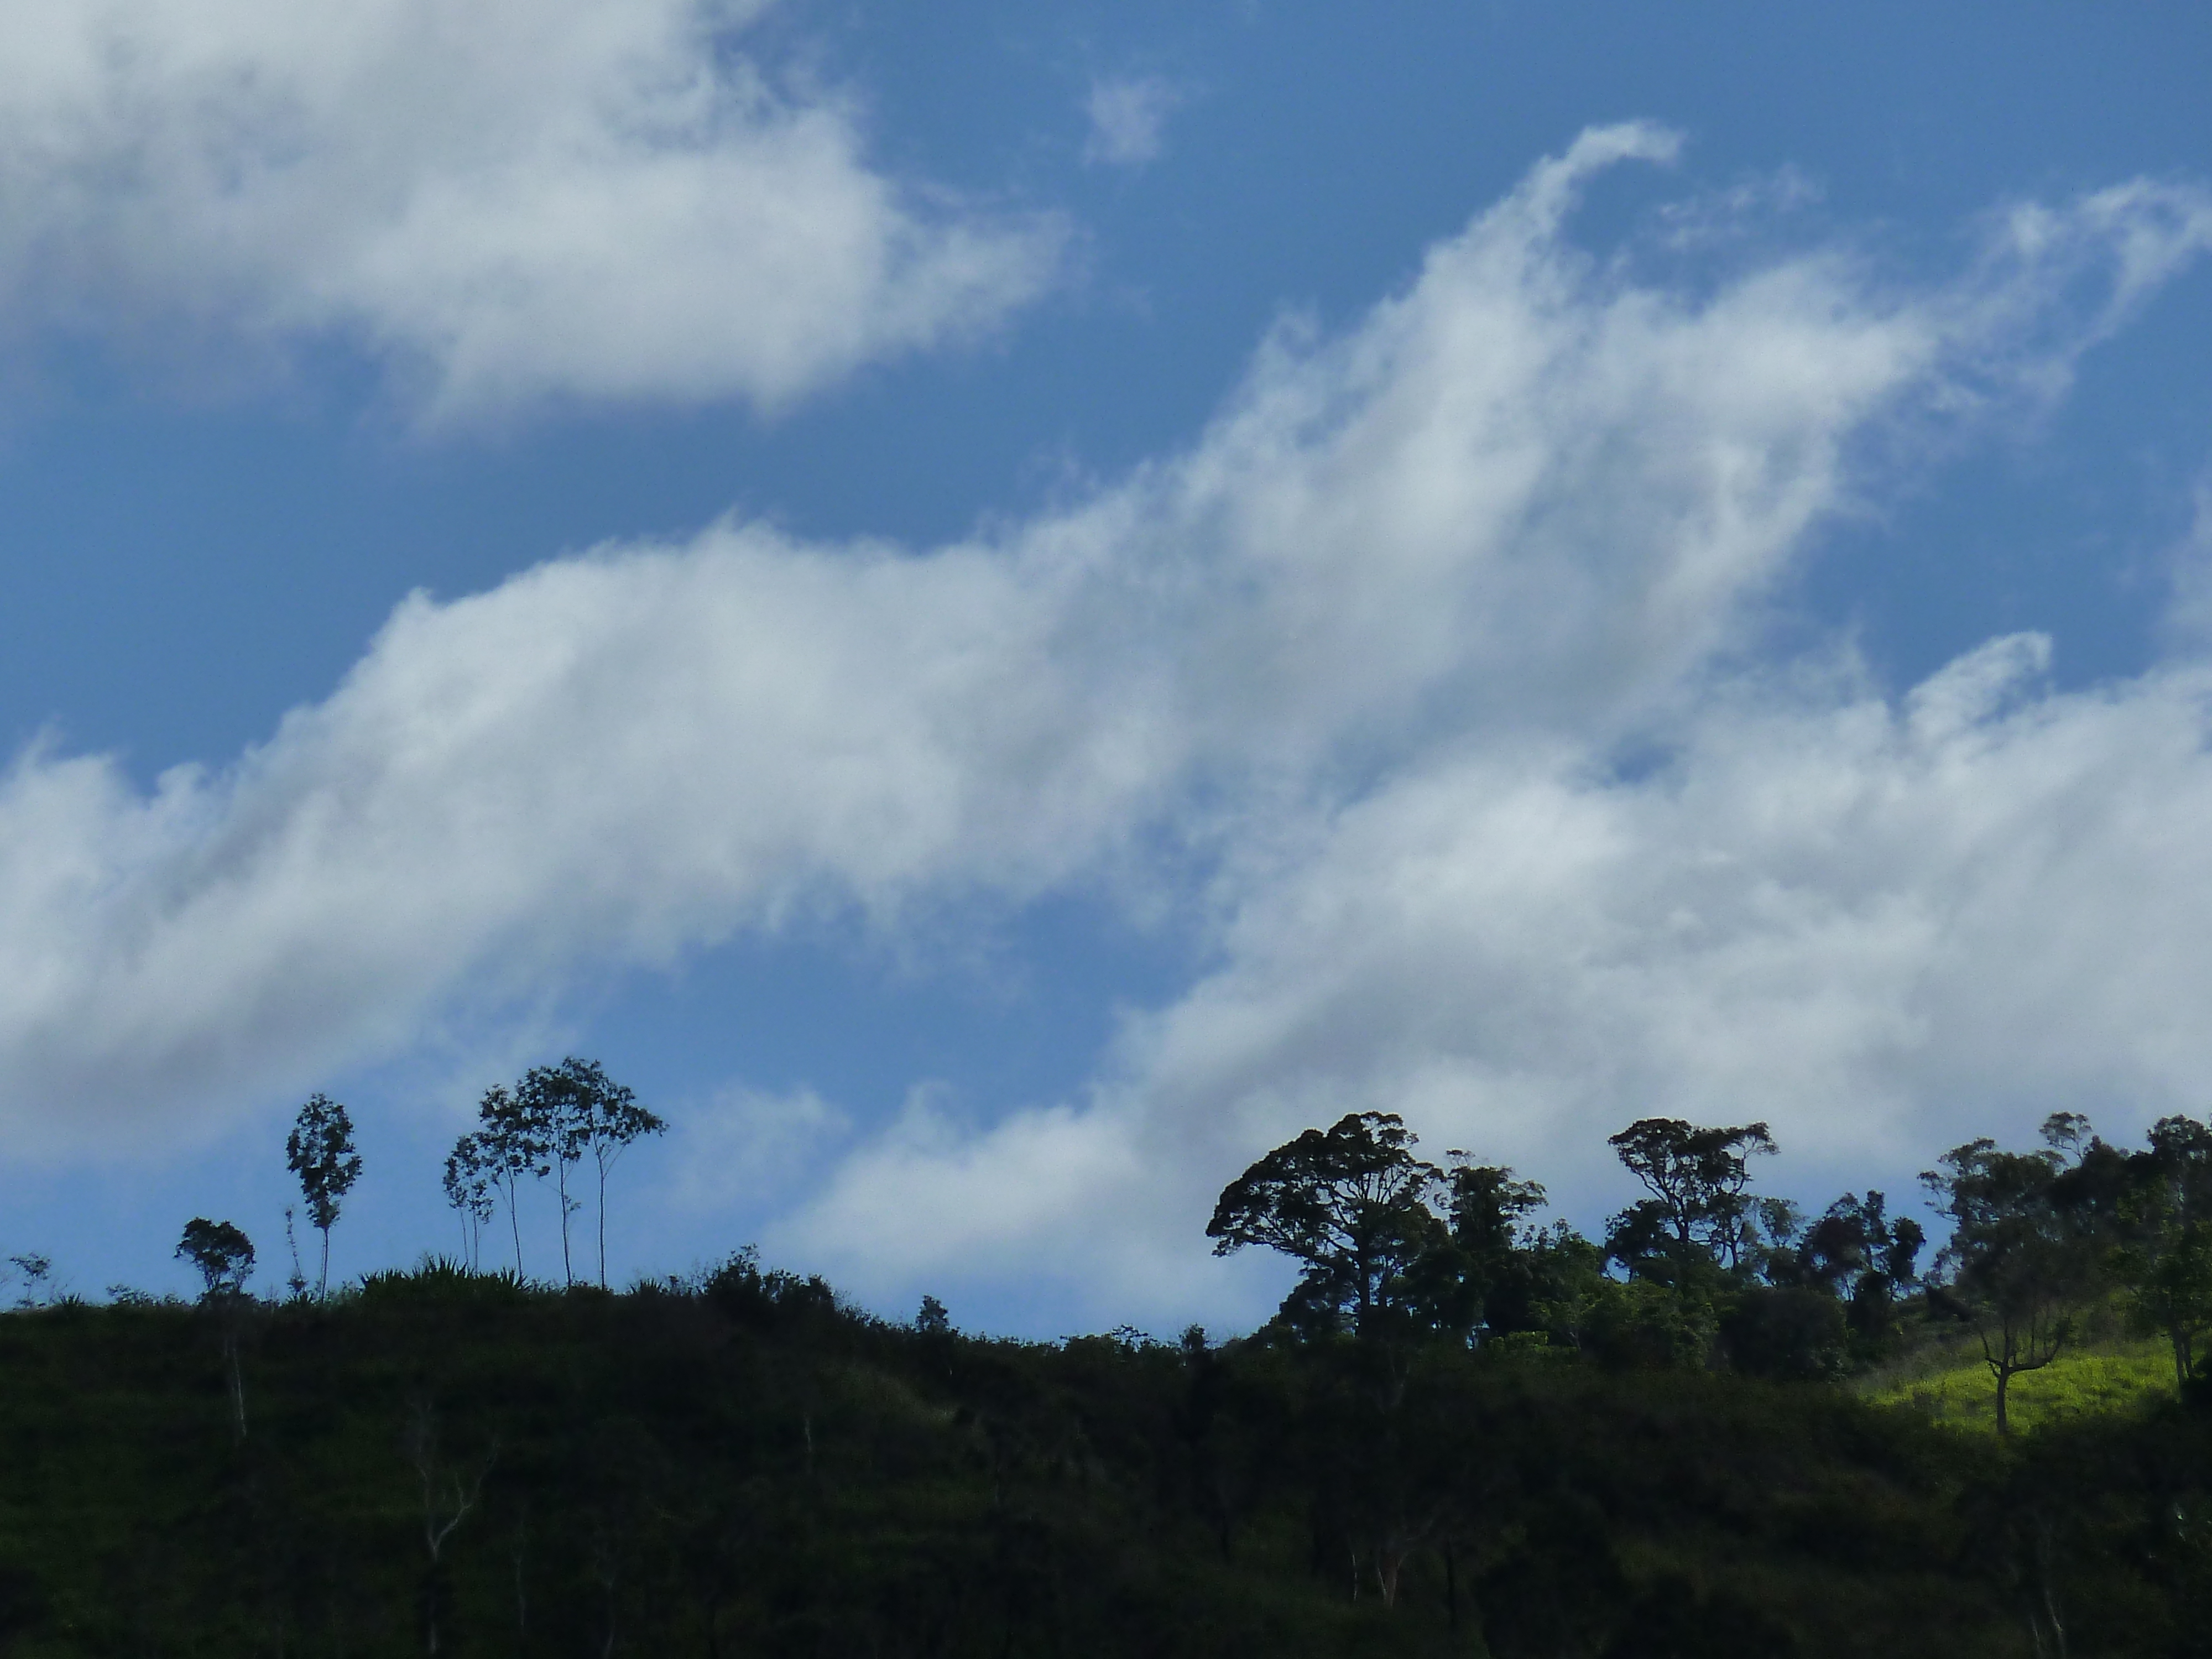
{"x": 1429, "y": 677}
{"x": 508, "y": 204}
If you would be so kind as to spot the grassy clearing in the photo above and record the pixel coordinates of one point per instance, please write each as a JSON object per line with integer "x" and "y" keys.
{"x": 1949, "y": 1382}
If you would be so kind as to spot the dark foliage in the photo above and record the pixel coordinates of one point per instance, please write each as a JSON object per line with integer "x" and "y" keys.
{"x": 742, "y": 1465}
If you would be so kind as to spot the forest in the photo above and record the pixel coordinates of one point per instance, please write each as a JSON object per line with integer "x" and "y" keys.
{"x": 1464, "y": 1432}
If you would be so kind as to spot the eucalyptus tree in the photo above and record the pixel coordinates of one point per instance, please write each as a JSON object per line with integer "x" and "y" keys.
{"x": 320, "y": 1151}
{"x": 1350, "y": 1205}
{"x": 602, "y": 1121}
{"x": 1700, "y": 1212}
{"x": 550, "y": 1098}
{"x": 224, "y": 1256}
{"x": 470, "y": 1184}
{"x": 512, "y": 1139}
{"x": 585, "y": 1114}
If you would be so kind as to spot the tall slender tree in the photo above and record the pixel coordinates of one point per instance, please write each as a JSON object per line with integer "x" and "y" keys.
{"x": 602, "y": 1121}
{"x": 470, "y": 1182}
{"x": 319, "y": 1151}
{"x": 550, "y": 1098}
{"x": 514, "y": 1139}
{"x": 574, "y": 1105}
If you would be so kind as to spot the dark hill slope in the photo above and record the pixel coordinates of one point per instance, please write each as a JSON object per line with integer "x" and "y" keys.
{"x": 742, "y": 1468}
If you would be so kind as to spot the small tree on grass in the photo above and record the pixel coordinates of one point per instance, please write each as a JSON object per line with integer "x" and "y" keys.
{"x": 319, "y": 1151}
{"x": 2016, "y": 1260}
{"x": 224, "y": 1256}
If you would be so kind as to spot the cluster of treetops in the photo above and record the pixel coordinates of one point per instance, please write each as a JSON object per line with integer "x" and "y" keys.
{"x": 1463, "y": 1434}
{"x": 552, "y": 1122}
{"x": 1393, "y": 1248}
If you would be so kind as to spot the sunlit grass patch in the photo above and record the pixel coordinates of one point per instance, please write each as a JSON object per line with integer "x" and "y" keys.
{"x": 1953, "y": 1385}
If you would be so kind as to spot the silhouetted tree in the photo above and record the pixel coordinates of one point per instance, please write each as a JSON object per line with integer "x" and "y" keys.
{"x": 470, "y": 1183}
{"x": 224, "y": 1256}
{"x": 1856, "y": 1251}
{"x": 1699, "y": 1211}
{"x": 296, "y": 1280}
{"x": 319, "y": 1151}
{"x": 513, "y": 1140}
{"x": 36, "y": 1270}
{"x": 550, "y": 1098}
{"x": 590, "y": 1115}
{"x": 1347, "y": 1203}
{"x": 220, "y": 1252}
{"x": 1482, "y": 1257}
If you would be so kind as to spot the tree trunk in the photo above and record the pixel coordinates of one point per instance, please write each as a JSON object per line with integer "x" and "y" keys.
{"x": 237, "y": 1384}
{"x": 603, "y": 1224}
{"x": 561, "y": 1181}
{"x": 514, "y": 1220}
{"x": 323, "y": 1287}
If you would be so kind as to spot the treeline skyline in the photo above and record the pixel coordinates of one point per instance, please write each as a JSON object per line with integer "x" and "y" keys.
{"x": 2043, "y": 1247}
{"x": 558, "y": 1130}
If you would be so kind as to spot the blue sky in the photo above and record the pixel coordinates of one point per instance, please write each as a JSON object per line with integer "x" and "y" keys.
{"x": 1002, "y": 607}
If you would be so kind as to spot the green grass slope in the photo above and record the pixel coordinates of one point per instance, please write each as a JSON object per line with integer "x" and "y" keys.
{"x": 1949, "y": 1382}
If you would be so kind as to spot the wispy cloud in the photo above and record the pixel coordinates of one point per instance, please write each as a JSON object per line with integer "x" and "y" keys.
{"x": 744, "y": 1145}
{"x": 509, "y": 205}
{"x": 1366, "y": 652}
{"x": 1128, "y": 120}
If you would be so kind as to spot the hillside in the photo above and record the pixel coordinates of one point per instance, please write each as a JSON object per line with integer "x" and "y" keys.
{"x": 442, "y": 1461}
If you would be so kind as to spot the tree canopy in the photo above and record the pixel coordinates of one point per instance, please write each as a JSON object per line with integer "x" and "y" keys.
{"x": 1349, "y": 1204}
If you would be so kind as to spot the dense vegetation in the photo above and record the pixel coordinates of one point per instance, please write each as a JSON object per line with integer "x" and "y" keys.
{"x": 454, "y": 1463}
{"x": 1463, "y": 1434}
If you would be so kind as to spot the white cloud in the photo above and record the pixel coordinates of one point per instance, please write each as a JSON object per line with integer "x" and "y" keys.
{"x": 1885, "y": 928}
{"x": 1128, "y": 120}
{"x": 510, "y": 204}
{"x": 746, "y": 1145}
{"x": 1365, "y": 652}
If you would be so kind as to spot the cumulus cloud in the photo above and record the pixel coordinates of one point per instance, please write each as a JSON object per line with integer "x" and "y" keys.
{"x": 1364, "y": 659}
{"x": 1128, "y": 120}
{"x": 1884, "y": 926}
{"x": 507, "y": 204}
